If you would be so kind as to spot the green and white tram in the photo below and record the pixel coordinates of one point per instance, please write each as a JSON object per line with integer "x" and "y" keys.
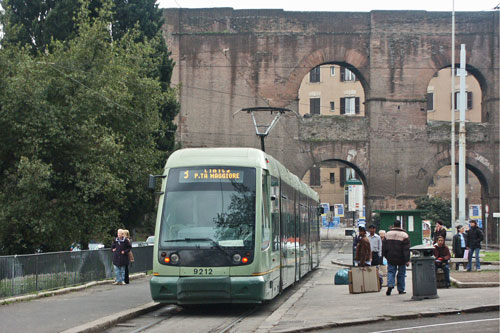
{"x": 233, "y": 226}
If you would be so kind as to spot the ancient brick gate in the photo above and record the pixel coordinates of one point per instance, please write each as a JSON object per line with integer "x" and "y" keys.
{"x": 230, "y": 59}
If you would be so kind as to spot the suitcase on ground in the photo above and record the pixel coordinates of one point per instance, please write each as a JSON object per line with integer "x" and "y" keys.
{"x": 364, "y": 280}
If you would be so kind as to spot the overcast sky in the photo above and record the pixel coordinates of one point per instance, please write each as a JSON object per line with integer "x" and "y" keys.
{"x": 338, "y": 5}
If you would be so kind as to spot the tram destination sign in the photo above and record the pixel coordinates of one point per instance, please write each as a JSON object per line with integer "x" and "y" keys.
{"x": 207, "y": 175}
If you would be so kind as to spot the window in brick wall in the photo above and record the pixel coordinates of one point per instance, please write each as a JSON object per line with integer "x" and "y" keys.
{"x": 469, "y": 100}
{"x": 430, "y": 101}
{"x": 332, "y": 70}
{"x": 332, "y": 177}
{"x": 314, "y": 105}
{"x": 314, "y": 75}
{"x": 349, "y": 105}
{"x": 347, "y": 75}
{"x": 315, "y": 179}
{"x": 332, "y": 106}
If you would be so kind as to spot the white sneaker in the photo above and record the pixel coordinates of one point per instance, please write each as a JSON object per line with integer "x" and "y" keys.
{"x": 115, "y": 283}
{"x": 479, "y": 270}
{"x": 122, "y": 283}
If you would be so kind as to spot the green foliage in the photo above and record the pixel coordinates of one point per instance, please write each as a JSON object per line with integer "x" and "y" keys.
{"x": 437, "y": 209}
{"x": 79, "y": 127}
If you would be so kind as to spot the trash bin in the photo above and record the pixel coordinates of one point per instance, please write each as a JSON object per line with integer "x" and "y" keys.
{"x": 423, "y": 272}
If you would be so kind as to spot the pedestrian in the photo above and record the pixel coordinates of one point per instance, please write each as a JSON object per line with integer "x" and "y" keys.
{"x": 440, "y": 230}
{"x": 442, "y": 255}
{"x": 396, "y": 249}
{"x": 459, "y": 245}
{"x": 120, "y": 247}
{"x": 381, "y": 233}
{"x": 126, "y": 233}
{"x": 376, "y": 246}
{"x": 473, "y": 241}
{"x": 363, "y": 249}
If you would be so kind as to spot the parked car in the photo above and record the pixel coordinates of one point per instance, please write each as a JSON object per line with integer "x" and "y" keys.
{"x": 150, "y": 240}
{"x": 139, "y": 244}
{"x": 75, "y": 247}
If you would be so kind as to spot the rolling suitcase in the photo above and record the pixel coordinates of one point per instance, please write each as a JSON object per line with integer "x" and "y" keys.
{"x": 363, "y": 280}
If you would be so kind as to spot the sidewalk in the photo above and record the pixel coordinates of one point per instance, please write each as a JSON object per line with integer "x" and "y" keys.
{"x": 321, "y": 304}
{"x": 65, "y": 311}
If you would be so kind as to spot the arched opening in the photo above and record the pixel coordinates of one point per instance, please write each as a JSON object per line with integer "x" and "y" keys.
{"x": 440, "y": 186}
{"x": 332, "y": 89}
{"x": 439, "y": 97}
{"x": 341, "y": 186}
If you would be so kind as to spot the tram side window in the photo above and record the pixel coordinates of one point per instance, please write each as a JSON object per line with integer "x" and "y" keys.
{"x": 275, "y": 213}
{"x": 265, "y": 213}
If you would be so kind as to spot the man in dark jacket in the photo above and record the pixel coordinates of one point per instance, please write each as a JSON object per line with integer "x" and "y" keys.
{"x": 120, "y": 247}
{"x": 442, "y": 255}
{"x": 363, "y": 250}
{"x": 396, "y": 249}
{"x": 459, "y": 245}
{"x": 439, "y": 231}
{"x": 473, "y": 240}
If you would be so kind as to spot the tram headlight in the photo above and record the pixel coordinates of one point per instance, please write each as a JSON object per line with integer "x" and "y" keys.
{"x": 244, "y": 260}
{"x": 174, "y": 258}
{"x": 236, "y": 257}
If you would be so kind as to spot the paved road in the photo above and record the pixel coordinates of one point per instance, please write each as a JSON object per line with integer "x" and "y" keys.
{"x": 477, "y": 322}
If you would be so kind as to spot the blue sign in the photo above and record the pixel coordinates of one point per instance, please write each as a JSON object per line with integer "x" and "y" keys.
{"x": 324, "y": 221}
{"x": 480, "y": 223}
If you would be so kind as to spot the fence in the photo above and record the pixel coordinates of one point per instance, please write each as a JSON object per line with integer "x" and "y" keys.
{"x": 23, "y": 274}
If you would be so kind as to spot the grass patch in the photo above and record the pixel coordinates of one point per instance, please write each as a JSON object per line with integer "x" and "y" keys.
{"x": 491, "y": 256}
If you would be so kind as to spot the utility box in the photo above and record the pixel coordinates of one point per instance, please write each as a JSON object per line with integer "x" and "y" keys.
{"x": 411, "y": 222}
{"x": 423, "y": 272}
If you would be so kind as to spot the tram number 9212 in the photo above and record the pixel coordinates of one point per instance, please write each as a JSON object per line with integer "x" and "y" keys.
{"x": 202, "y": 271}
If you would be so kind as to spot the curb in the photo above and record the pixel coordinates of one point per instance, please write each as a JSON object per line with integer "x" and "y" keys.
{"x": 416, "y": 315}
{"x": 474, "y": 284}
{"x": 64, "y": 290}
{"x": 104, "y": 323}
{"x": 338, "y": 263}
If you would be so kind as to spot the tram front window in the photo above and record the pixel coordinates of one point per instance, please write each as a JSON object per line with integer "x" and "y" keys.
{"x": 207, "y": 205}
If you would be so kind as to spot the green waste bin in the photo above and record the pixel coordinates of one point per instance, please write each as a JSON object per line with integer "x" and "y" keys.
{"x": 423, "y": 272}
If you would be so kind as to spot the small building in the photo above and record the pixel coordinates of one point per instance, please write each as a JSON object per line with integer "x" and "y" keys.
{"x": 411, "y": 222}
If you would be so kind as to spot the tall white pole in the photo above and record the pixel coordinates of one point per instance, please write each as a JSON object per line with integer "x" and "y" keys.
{"x": 453, "y": 168}
{"x": 461, "y": 140}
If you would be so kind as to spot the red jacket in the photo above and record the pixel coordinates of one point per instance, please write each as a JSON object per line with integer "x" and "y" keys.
{"x": 442, "y": 253}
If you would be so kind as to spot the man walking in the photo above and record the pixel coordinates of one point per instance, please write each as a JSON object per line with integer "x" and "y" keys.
{"x": 376, "y": 246}
{"x": 396, "y": 249}
{"x": 363, "y": 249}
{"x": 473, "y": 240}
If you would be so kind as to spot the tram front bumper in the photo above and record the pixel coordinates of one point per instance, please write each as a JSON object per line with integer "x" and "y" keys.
{"x": 205, "y": 290}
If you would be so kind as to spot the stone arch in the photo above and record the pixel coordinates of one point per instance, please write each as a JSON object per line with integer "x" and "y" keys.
{"x": 475, "y": 162}
{"x": 350, "y": 58}
{"x": 355, "y": 157}
{"x": 476, "y": 73}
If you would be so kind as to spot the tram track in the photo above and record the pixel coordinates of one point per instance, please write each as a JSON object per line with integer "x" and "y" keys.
{"x": 206, "y": 317}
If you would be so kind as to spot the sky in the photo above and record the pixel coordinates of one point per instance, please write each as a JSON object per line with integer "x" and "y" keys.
{"x": 338, "y": 5}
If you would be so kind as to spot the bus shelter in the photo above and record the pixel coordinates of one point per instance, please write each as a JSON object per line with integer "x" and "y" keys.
{"x": 411, "y": 222}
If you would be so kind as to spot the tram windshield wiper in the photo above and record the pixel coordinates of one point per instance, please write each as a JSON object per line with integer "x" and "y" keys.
{"x": 200, "y": 240}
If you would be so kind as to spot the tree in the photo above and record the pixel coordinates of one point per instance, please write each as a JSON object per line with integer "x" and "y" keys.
{"x": 436, "y": 208}
{"x": 36, "y": 23}
{"x": 78, "y": 126}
